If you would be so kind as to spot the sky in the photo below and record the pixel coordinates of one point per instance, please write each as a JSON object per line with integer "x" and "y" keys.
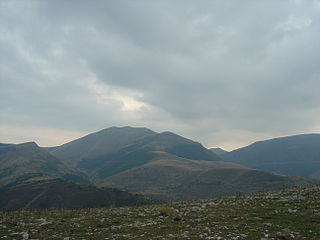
{"x": 225, "y": 73}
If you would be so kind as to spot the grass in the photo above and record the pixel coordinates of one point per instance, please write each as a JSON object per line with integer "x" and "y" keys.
{"x": 288, "y": 214}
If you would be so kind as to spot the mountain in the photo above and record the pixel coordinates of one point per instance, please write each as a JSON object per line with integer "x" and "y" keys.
{"x": 164, "y": 165}
{"x": 218, "y": 151}
{"x": 99, "y": 143}
{"x": 297, "y": 155}
{"x": 30, "y": 177}
{"x": 28, "y": 160}
{"x": 171, "y": 178}
{"x": 60, "y": 194}
{"x": 120, "y": 149}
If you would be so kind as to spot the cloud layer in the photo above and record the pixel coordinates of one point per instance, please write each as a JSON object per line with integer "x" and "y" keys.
{"x": 221, "y": 72}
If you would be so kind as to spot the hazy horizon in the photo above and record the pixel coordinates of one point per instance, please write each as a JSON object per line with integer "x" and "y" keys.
{"x": 85, "y": 134}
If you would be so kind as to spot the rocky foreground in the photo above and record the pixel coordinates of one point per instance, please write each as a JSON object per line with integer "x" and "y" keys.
{"x": 287, "y": 214}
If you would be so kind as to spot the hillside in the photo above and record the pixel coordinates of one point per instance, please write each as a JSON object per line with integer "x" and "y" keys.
{"x": 297, "y": 155}
{"x": 131, "y": 152}
{"x": 179, "y": 146}
{"x": 172, "y": 178}
{"x": 28, "y": 160}
{"x": 289, "y": 214}
{"x": 60, "y": 194}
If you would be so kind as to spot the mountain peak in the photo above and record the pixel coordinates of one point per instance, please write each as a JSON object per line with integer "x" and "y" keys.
{"x": 118, "y": 148}
{"x": 218, "y": 151}
{"x": 26, "y": 146}
{"x": 28, "y": 160}
{"x": 100, "y": 143}
{"x": 124, "y": 128}
{"x": 29, "y": 144}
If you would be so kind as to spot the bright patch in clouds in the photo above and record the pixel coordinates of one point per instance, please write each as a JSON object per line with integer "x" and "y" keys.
{"x": 104, "y": 94}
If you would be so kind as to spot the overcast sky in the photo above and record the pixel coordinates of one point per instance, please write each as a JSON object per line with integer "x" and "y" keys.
{"x": 222, "y": 72}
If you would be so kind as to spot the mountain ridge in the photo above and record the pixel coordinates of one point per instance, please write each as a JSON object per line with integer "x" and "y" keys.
{"x": 218, "y": 151}
{"x": 96, "y": 143}
{"x": 291, "y": 155}
{"x": 163, "y": 166}
{"x": 131, "y": 152}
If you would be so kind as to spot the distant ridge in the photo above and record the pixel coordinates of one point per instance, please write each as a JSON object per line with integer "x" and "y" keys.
{"x": 297, "y": 155}
{"x": 218, "y": 151}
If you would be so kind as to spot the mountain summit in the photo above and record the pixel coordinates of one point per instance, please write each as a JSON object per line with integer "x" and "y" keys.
{"x": 114, "y": 150}
{"x": 100, "y": 143}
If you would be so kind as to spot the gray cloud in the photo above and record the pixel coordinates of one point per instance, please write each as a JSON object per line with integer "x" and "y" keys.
{"x": 249, "y": 69}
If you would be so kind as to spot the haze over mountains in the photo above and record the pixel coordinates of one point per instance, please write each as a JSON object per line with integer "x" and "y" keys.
{"x": 164, "y": 166}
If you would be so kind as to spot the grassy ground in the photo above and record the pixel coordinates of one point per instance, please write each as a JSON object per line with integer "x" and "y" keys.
{"x": 287, "y": 214}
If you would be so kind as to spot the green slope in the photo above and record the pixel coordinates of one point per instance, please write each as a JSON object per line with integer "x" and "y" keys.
{"x": 171, "y": 178}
